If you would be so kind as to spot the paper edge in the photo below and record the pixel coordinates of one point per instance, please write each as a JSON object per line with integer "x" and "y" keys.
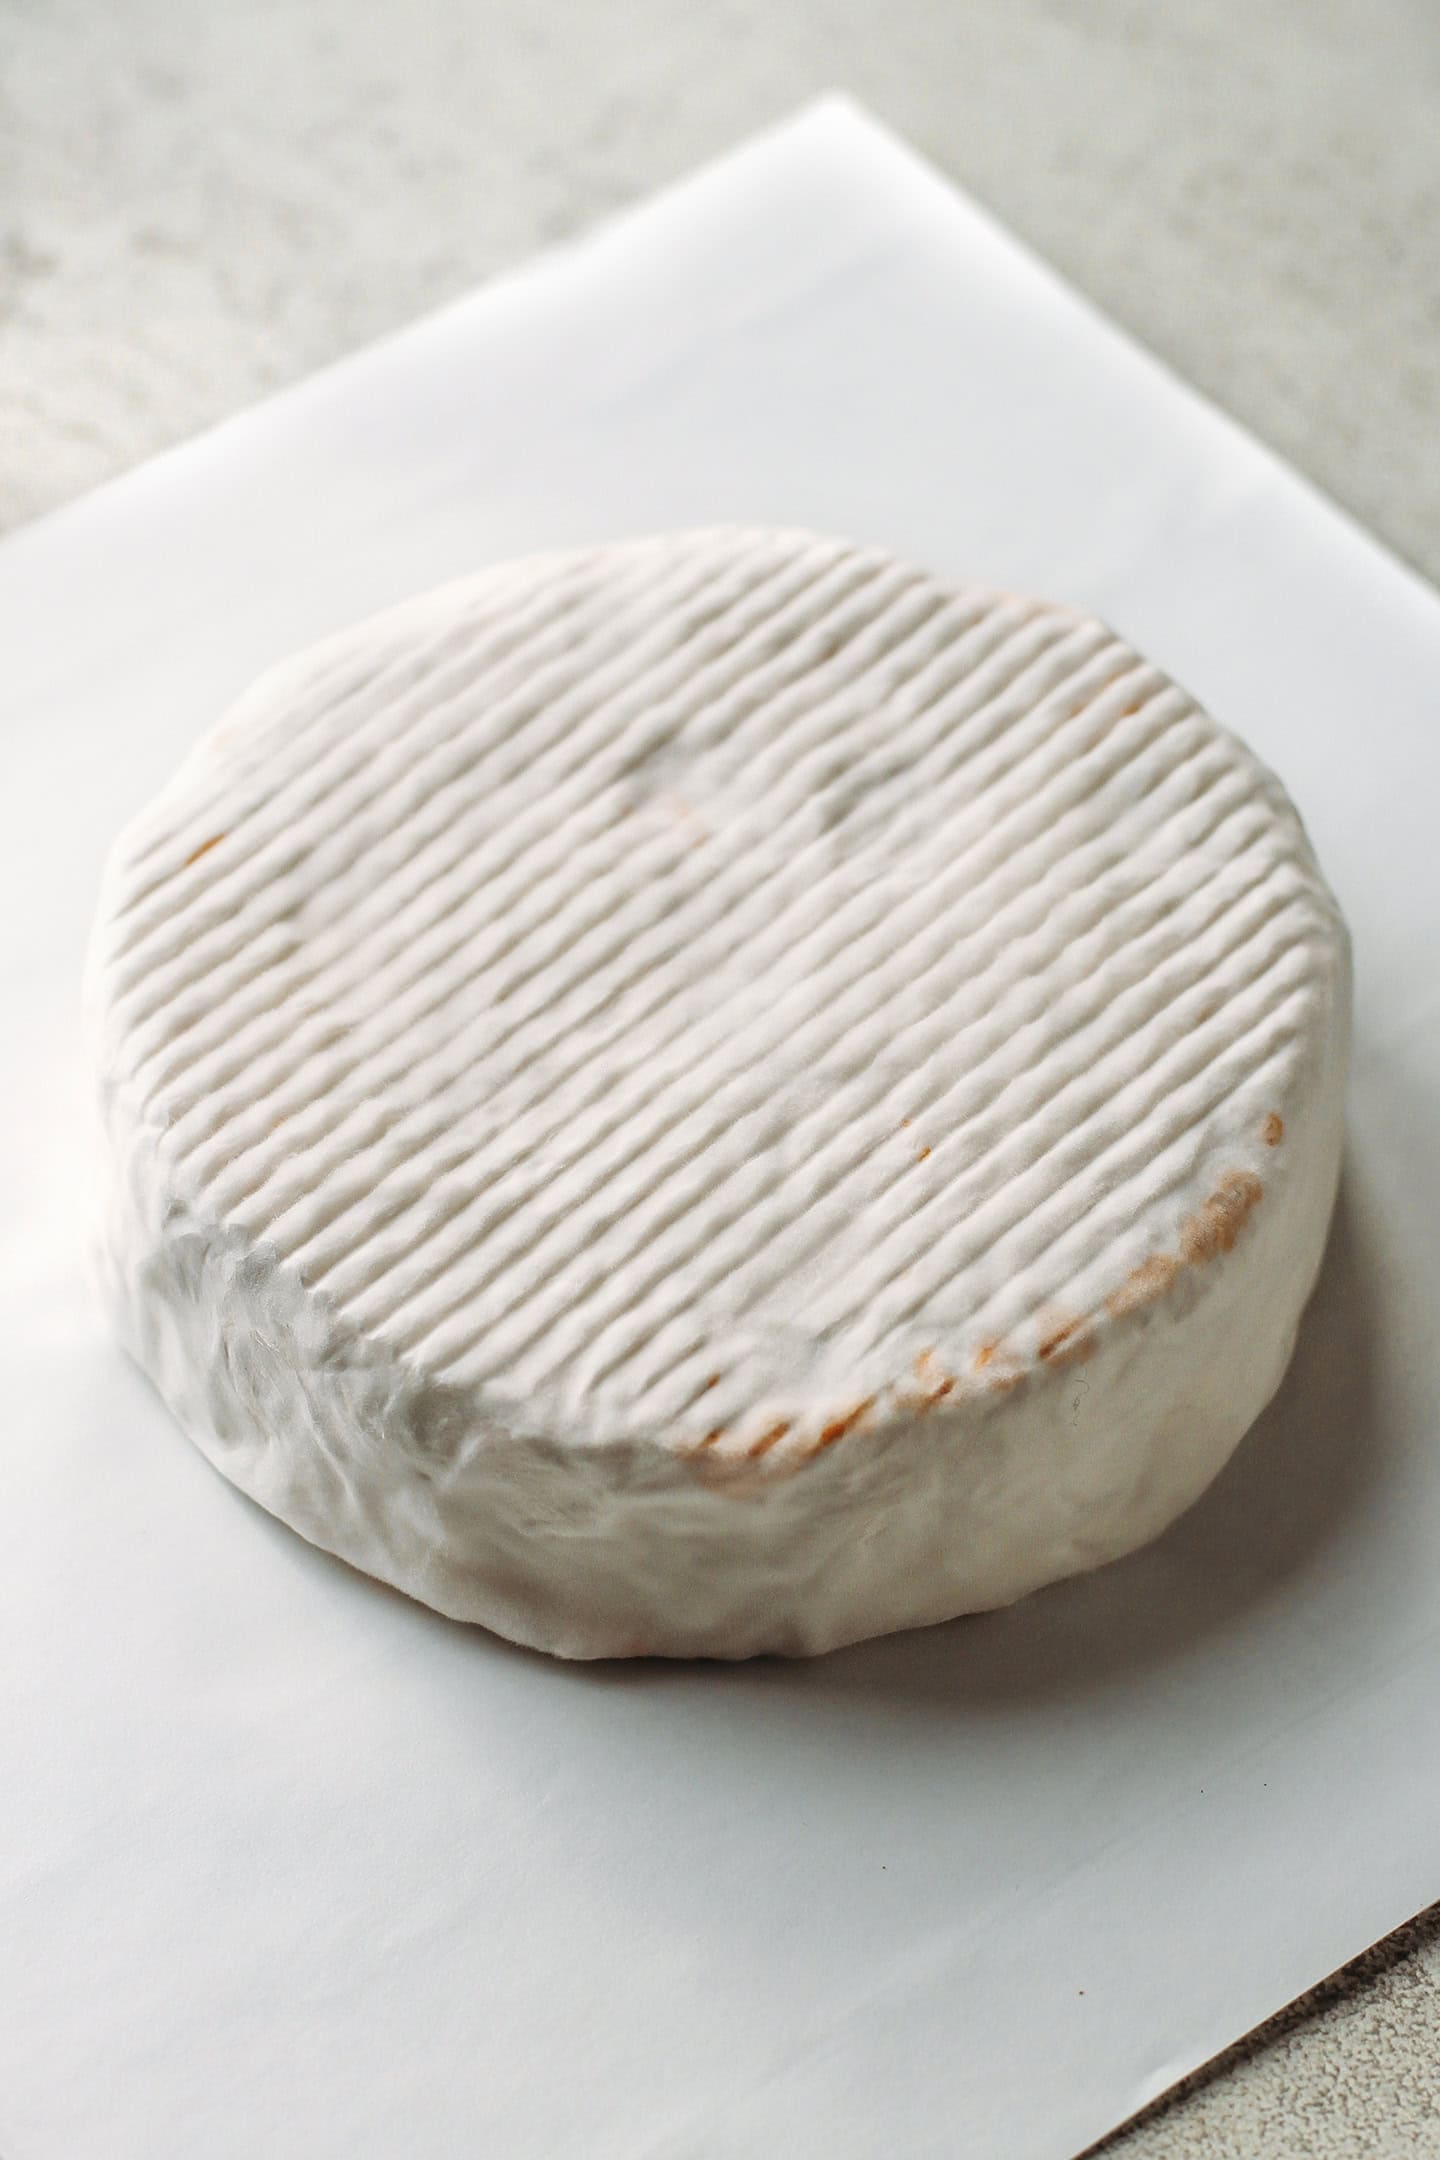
{"x": 834, "y": 113}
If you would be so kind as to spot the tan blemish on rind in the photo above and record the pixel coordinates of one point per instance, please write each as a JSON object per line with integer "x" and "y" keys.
{"x": 739, "y": 1474}
{"x": 934, "y": 1384}
{"x": 923, "y": 1155}
{"x": 1214, "y": 1227}
{"x": 203, "y": 849}
{"x": 838, "y": 1427}
{"x": 1272, "y": 1132}
{"x": 1069, "y": 1343}
{"x": 999, "y": 1369}
{"x": 1143, "y": 1285}
{"x": 734, "y": 1476}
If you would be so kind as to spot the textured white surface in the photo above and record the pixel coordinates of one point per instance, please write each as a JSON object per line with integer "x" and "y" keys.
{"x": 709, "y": 1095}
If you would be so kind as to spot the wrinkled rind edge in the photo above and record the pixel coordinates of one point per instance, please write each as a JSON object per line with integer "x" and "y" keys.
{"x": 615, "y": 1550}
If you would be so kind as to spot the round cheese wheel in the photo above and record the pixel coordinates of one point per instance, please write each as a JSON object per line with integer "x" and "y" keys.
{"x": 718, "y": 1095}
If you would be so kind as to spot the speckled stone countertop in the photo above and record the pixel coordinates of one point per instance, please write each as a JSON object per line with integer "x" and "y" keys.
{"x": 201, "y": 203}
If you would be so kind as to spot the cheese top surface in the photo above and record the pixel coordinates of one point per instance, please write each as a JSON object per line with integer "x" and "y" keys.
{"x": 725, "y": 991}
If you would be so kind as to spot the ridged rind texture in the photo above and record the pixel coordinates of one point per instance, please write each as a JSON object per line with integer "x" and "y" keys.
{"x": 718, "y": 1095}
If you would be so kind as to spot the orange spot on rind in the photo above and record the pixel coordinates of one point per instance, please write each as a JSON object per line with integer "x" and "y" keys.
{"x": 838, "y": 1427}
{"x": 1215, "y": 1227}
{"x": 203, "y": 849}
{"x": 1212, "y": 1229}
{"x": 1000, "y": 1370}
{"x": 1068, "y": 1343}
{"x": 934, "y": 1385}
{"x": 1143, "y": 1285}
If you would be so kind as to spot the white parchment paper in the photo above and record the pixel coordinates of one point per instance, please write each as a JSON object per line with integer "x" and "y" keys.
{"x": 292, "y": 1869}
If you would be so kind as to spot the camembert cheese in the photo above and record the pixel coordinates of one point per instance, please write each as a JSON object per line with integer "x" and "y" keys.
{"x": 718, "y": 1095}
